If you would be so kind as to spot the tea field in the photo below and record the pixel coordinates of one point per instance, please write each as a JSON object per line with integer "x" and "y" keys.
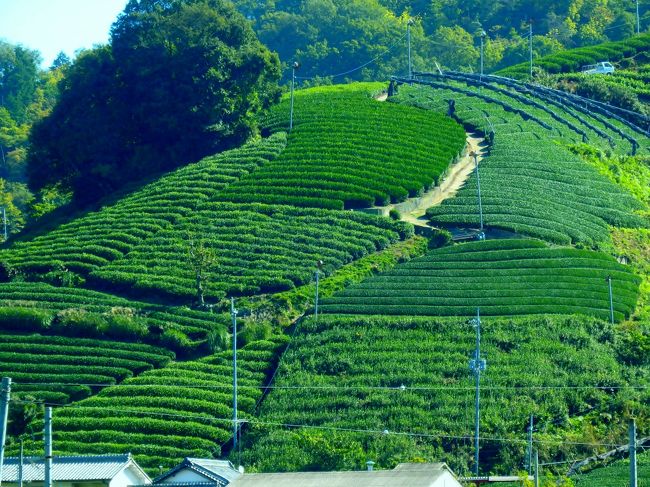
{"x": 399, "y": 388}
{"x": 502, "y": 277}
{"x": 347, "y": 150}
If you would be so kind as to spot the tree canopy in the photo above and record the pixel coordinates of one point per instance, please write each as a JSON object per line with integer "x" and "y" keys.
{"x": 180, "y": 79}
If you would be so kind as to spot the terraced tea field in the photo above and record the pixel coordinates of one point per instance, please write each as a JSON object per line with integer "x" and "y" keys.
{"x": 164, "y": 415}
{"x": 502, "y": 277}
{"x": 94, "y": 240}
{"x": 52, "y": 368}
{"x": 348, "y": 150}
{"x": 528, "y": 185}
{"x": 260, "y": 248}
{"x": 409, "y": 377}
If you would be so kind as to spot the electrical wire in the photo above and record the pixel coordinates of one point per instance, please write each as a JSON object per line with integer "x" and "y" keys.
{"x": 385, "y": 432}
{"x": 400, "y": 388}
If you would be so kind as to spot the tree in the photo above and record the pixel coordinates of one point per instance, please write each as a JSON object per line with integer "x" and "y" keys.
{"x": 202, "y": 259}
{"x": 180, "y": 79}
{"x": 18, "y": 79}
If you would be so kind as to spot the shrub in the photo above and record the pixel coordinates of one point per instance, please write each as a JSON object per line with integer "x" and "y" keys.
{"x": 25, "y": 319}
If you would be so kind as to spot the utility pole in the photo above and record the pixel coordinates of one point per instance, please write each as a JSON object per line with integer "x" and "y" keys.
{"x": 294, "y": 67}
{"x": 20, "y": 465}
{"x": 235, "y": 424}
{"x": 638, "y": 20}
{"x": 536, "y": 468}
{"x": 611, "y": 299}
{"x": 529, "y": 460}
{"x": 477, "y": 365}
{"x": 483, "y": 34}
{"x": 4, "y": 222}
{"x": 633, "y": 476}
{"x": 48, "y": 447}
{"x": 530, "y": 46}
{"x": 5, "y": 393}
{"x": 409, "y": 22}
{"x": 481, "y": 235}
{"x": 319, "y": 265}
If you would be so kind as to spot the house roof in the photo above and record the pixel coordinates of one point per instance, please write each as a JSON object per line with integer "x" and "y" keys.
{"x": 213, "y": 470}
{"x": 404, "y": 475}
{"x": 71, "y": 468}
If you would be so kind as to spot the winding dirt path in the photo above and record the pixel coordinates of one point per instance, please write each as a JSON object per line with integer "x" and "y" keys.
{"x": 413, "y": 209}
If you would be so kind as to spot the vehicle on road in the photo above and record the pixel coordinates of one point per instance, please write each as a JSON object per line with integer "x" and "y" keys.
{"x": 603, "y": 67}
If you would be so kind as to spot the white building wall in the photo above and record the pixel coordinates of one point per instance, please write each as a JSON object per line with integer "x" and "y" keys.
{"x": 128, "y": 476}
{"x": 185, "y": 475}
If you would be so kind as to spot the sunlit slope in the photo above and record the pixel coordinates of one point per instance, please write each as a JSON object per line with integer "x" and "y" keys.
{"x": 501, "y": 277}
{"x": 348, "y": 150}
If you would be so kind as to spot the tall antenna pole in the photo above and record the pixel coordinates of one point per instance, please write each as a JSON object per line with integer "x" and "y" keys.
{"x": 408, "y": 37}
{"x": 477, "y": 365}
{"x": 48, "y": 447}
{"x": 530, "y": 46}
{"x": 235, "y": 424}
{"x": 633, "y": 475}
{"x": 5, "y": 393}
{"x": 611, "y": 299}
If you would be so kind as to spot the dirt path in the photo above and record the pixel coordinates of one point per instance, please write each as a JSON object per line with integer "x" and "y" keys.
{"x": 413, "y": 209}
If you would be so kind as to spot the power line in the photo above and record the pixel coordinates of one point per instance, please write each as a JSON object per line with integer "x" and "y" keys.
{"x": 400, "y": 388}
{"x": 348, "y": 430}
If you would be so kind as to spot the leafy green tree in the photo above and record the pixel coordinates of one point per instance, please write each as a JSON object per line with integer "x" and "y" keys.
{"x": 18, "y": 79}
{"x": 180, "y": 79}
{"x": 454, "y": 49}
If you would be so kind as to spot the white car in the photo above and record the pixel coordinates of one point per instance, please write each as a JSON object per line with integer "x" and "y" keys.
{"x": 599, "y": 68}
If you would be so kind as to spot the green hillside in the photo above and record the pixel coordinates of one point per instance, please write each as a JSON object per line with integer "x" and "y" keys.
{"x": 122, "y": 280}
{"x": 617, "y": 474}
{"x": 571, "y": 60}
{"x": 347, "y": 373}
{"x": 347, "y": 150}
{"x": 502, "y": 277}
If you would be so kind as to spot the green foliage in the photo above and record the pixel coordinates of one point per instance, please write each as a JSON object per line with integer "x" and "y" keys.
{"x": 502, "y": 277}
{"x": 328, "y": 162}
{"x": 528, "y": 185}
{"x": 616, "y": 474}
{"x": 179, "y": 80}
{"x": 347, "y": 372}
{"x": 53, "y": 365}
{"x": 163, "y": 414}
{"x": 99, "y": 237}
{"x": 573, "y": 59}
{"x": 79, "y": 312}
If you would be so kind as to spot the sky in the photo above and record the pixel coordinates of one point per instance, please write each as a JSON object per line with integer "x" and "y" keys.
{"x": 52, "y": 26}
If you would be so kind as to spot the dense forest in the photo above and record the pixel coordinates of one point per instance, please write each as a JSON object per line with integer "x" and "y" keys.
{"x": 332, "y": 37}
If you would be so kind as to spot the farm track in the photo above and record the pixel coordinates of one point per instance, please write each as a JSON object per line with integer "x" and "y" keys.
{"x": 413, "y": 209}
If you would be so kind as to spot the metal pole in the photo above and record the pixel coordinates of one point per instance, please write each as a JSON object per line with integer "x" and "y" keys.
{"x": 5, "y": 393}
{"x": 20, "y": 465}
{"x": 233, "y": 315}
{"x": 638, "y": 23}
{"x": 477, "y": 365}
{"x": 633, "y": 475}
{"x": 48, "y": 447}
{"x": 293, "y": 80}
{"x": 408, "y": 36}
{"x": 316, "y": 298}
{"x": 4, "y": 221}
{"x": 611, "y": 299}
{"x": 482, "y": 37}
{"x": 478, "y": 186}
{"x": 530, "y": 46}
{"x": 536, "y": 468}
{"x": 530, "y": 446}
